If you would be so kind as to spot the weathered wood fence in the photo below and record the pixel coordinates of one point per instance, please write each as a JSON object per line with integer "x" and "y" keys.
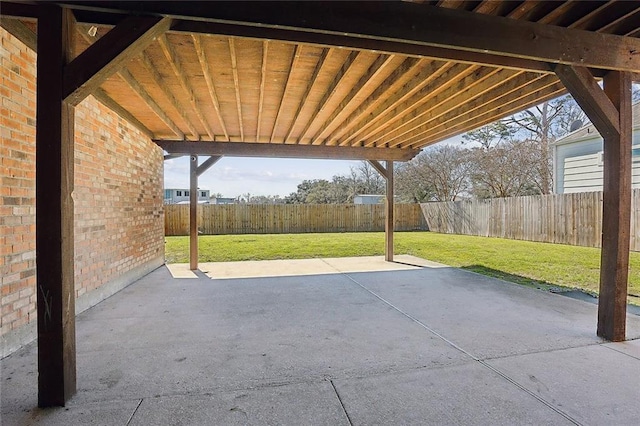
{"x": 574, "y": 219}
{"x": 290, "y": 218}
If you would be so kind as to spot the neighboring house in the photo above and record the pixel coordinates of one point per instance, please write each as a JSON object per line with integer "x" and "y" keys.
{"x": 368, "y": 199}
{"x": 223, "y": 200}
{"x": 181, "y": 196}
{"x": 577, "y": 159}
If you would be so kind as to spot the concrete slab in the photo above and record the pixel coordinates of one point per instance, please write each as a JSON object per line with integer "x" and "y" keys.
{"x": 462, "y": 395}
{"x": 631, "y": 348}
{"x": 511, "y": 319}
{"x": 105, "y": 413}
{"x": 593, "y": 384}
{"x": 393, "y": 340}
{"x": 180, "y": 270}
{"x": 295, "y": 404}
{"x": 297, "y": 267}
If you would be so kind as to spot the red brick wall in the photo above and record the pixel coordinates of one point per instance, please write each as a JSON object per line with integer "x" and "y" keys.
{"x": 118, "y": 193}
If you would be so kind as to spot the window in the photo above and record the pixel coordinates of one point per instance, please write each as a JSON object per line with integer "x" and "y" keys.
{"x": 186, "y": 193}
{"x": 203, "y": 194}
{"x": 167, "y": 194}
{"x": 178, "y": 193}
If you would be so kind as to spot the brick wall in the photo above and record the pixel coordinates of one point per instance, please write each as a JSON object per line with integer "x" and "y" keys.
{"x": 118, "y": 199}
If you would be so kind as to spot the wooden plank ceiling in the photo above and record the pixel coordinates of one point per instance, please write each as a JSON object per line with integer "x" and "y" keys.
{"x": 207, "y": 87}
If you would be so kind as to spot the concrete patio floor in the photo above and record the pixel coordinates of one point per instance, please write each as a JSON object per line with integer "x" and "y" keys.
{"x": 355, "y": 345}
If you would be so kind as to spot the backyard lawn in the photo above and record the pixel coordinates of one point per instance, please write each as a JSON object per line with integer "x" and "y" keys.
{"x": 536, "y": 264}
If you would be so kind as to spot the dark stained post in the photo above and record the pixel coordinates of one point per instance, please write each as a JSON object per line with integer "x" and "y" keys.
{"x": 193, "y": 213}
{"x": 616, "y": 215}
{"x": 54, "y": 211}
{"x": 389, "y": 219}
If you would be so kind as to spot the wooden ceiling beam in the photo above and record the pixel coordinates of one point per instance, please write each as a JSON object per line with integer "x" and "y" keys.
{"x": 505, "y": 110}
{"x": 263, "y": 79}
{"x": 404, "y": 108}
{"x": 329, "y": 92}
{"x": 464, "y": 91}
{"x": 109, "y": 53}
{"x": 236, "y": 80}
{"x": 364, "y": 44}
{"x": 491, "y": 106}
{"x": 436, "y": 94}
{"x": 366, "y": 80}
{"x": 318, "y": 69}
{"x": 126, "y": 75}
{"x": 393, "y": 83}
{"x": 206, "y": 71}
{"x": 430, "y": 72}
{"x": 254, "y": 149}
{"x": 176, "y": 67}
{"x": 295, "y": 60}
{"x": 19, "y": 30}
{"x": 412, "y": 25}
{"x": 162, "y": 84}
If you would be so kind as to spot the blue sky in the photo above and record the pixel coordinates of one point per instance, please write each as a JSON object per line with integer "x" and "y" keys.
{"x": 258, "y": 176}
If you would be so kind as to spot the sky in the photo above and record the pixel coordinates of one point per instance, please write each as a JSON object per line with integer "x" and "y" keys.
{"x": 232, "y": 176}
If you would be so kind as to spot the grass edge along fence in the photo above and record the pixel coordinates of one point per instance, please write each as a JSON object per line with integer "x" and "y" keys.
{"x": 574, "y": 219}
{"x": 233, "y": 219}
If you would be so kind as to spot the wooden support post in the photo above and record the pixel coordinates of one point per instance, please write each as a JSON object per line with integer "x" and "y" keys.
{"x": 389, "y": 220}
{"x": 610, "y": 112}
{"x": 193, "y": 214}
{"x": 616, "y": 217}
{"x": 54, "y": 211}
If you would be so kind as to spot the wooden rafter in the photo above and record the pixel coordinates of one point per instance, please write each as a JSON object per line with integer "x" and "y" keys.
{"x": 502, "y": 105}
{"x": 312, "y": 81}
{"x": 330, "y": 92}
{"x": 162, "y": 84}
{"x": 295, "y": 59}
{"x": 126, "y": 75}
{"x": 204, "y": 64}
{"x": 431, "y": 71}
{"x": 463, "y": 91}
{"x": 109, "y": 53}
{"x": 263, "y": 79}
{"x": 253, "y": 149}
{"x": 176, "y": 67}
{"x": 398, "y": 78}
{"x": 236, "y": 80}
{"x": 402, "y": 108}
{"x": 366, "y": 80}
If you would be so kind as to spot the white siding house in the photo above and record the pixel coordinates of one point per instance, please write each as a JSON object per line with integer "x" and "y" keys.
{"x": 577, "y": 159}
{"x": 178, "y": 196}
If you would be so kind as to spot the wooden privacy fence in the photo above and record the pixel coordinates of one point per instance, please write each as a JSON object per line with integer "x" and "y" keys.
{"x": 574, "y": 219}
{"x": 290, "y": 218}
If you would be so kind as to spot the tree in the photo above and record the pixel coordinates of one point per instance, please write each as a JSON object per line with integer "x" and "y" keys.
{"x": 505, "y": 170}
{"x": 490, "y": 134}
{"x": 542, "y": 124}
{"x": 440, "y": 173}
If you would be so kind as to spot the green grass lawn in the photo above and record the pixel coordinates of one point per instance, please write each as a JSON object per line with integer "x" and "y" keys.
{"x": 524, "y": 262}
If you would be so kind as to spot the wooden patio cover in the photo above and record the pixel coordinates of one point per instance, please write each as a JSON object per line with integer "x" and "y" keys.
{"x": 348, "y": 80}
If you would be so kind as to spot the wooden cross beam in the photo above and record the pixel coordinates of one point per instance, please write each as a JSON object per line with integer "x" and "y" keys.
{"x": 252, "y": 149}
{"x": 109, "y": 53}
{"x": 397, "y": 27}
{"x": 609, "y": 109}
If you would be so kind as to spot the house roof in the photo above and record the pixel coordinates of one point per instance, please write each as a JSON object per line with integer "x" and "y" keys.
{"x": 589, "y": 131}
{"x": 327, "y": 79}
